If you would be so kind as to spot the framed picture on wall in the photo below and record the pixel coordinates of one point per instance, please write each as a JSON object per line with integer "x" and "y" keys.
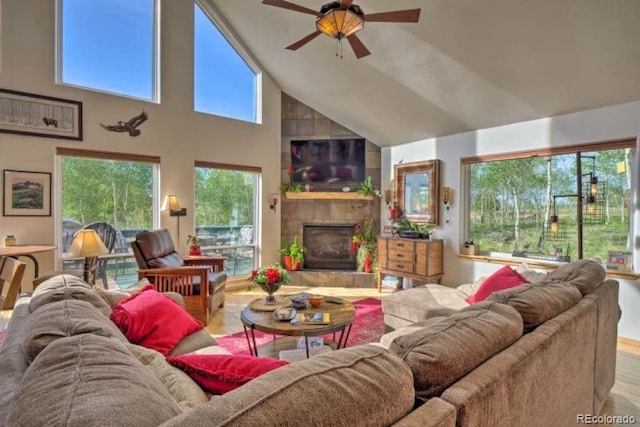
{"x": 26, "y": 193}
{"x": 37, "y": 115}
{"x": 619, "y": 261}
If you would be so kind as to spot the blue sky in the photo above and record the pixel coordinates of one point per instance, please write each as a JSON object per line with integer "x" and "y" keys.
{"x": 108, "y": 45}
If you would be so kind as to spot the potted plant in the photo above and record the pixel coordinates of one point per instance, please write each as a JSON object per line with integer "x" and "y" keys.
{"x": 364, "y": 243}
{"x": 293, "y": 254}
{"x": 194, "y": 245}
{"x": 366, "y": 188}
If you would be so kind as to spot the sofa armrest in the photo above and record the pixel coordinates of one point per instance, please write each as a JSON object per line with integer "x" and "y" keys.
{"x": 433, "y": 413}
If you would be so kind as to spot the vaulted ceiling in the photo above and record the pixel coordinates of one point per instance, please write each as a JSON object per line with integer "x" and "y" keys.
{"x": 467, "y": 64}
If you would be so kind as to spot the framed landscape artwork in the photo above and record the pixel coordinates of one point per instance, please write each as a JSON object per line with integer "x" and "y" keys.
{"x": 26, "y": 193}
{"x": 27, "y": 114}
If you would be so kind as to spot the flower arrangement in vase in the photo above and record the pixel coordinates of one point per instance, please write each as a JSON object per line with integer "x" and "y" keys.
{"x": 194, "y": 245}
{"x": 270, "y": 278}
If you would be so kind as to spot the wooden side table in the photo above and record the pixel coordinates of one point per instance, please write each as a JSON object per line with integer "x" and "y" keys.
{"x": 215, "y": 261}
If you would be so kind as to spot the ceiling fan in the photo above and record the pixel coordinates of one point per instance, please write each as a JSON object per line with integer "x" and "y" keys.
{"x": 343, "y": 19}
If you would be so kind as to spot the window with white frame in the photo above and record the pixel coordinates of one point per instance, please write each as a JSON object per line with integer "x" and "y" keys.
{"x": 566, "y": 204}
{"x": 226, "y": 82}
{"x": 109, "y": 46}
{"x": 118, "y": 192}
{"x": 226, "y": 205}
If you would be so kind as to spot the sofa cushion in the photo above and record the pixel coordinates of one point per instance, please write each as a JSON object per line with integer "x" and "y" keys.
{"x": 444, "y": 352}
{"x": 196, "y": 341}
{"x": 88, "y": 380}
{"x": 180, "y": 386}
{"x": 152, "y": 320}
{"x": 168, "y": 261}
{"x": 584, "y": 274}
{"x": 66, "y": 286}
{"x": 502, "y": 279}
{"x": 423, "y": 302}
{"x": 530, "y": 274}
{"x": 540, "y": 302}
{"x": 65, "y": 319}
{"x": 220, "y": 374}
{"x": 336, "y": 388}
{"x": 387, "y": 338}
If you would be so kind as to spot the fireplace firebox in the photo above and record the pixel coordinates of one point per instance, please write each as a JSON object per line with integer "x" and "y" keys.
{"x": 329, "y": 247}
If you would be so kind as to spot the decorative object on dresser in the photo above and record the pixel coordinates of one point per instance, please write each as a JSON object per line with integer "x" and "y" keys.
{"x": 418, "y": 259}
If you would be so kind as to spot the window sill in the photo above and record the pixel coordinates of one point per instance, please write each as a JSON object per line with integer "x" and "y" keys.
{"x": 549, "y": 265}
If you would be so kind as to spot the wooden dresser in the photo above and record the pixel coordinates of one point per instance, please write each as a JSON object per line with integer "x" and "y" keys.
{"x": 418, "y": 259}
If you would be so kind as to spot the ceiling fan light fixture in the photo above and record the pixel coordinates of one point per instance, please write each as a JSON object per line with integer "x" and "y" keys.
{"x": 339, "y": 22}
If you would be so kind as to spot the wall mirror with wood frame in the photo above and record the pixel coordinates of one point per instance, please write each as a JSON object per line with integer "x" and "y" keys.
{"x": 417, "y": 191}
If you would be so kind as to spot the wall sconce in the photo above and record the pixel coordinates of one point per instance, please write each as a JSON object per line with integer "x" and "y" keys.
{"x": 88, "y": 244}
{"x": 172, "y": 205}
{"x": 274, "y": 201}
{"x": 447, "y": 195}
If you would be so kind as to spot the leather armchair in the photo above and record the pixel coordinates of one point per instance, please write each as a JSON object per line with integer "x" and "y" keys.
{"x": 201, "y": 287}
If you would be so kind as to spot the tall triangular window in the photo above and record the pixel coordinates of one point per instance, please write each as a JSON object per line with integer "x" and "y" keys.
{"x": 226, "y": 82}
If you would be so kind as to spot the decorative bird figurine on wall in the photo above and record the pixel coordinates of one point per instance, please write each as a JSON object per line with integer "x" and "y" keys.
{"x": 130, "y": 126}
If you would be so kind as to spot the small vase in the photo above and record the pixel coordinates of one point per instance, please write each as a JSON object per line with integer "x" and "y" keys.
{"x": 270, "y": 289}
{"x": 195, "y": 250}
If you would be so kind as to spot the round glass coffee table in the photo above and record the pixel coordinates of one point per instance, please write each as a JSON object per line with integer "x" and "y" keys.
{"x": 341, "y": 317}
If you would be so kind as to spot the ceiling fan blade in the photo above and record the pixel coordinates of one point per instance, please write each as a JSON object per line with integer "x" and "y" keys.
{"x": 358, "y": 47}
{"x": 409, "y": 15}
{"x": 291, "y": 6}
{"x": 347, "y": 3}
{"x": 303, "y": 41}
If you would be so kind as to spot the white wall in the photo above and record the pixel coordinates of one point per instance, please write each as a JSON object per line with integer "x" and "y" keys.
{"x": 174, "y": 131}
{"x": 609, "y": 123}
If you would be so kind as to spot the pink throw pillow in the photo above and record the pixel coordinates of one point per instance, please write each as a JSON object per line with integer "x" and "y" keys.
{"x": 222, "y": 373}
{"x": 502, "y": 279}
{"x": 153, "y": 320}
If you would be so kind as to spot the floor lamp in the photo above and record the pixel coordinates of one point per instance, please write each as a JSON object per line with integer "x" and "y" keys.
{"x": 88, "y": 245}
{"x": 172, "y": 205}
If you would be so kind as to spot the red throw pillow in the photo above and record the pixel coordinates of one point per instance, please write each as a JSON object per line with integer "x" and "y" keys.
{"x": 222, "y": 373}
{"x": 153, "y": 320}
{"x": 502, "y": 279}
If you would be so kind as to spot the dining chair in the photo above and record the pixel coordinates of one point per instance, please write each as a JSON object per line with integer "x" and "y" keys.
{"x": 11, "y": 272}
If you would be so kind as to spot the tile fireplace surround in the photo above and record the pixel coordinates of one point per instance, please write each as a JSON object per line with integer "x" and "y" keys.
{"x": 299, "y": 121}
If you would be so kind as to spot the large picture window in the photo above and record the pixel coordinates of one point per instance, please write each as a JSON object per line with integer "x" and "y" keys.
{"x": 226, "y": 214}
{"x": 115, "y": 197}
{"x": 110, "y": 46}
{"x": 556, "y": 207}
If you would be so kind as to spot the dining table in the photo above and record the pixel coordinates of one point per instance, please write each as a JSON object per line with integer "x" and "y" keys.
{"x": 27, "y": 251}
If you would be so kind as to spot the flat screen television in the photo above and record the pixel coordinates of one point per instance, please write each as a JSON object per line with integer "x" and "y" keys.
{"x": 328, "y": 163}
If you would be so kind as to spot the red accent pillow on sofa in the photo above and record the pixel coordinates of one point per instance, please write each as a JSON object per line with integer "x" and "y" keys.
{"x": 502, "y": 279}
{"x": 153, "y": 320}
{"x": 222, "y": 373}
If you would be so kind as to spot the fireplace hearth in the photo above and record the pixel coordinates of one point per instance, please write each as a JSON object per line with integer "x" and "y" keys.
{"x": 328, "y": 247}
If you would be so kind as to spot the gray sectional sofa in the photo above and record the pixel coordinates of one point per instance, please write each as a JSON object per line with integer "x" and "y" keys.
{"x": 538, "y": 355}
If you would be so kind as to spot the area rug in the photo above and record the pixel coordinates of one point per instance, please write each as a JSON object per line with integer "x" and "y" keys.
{"x": 368, "y": 327}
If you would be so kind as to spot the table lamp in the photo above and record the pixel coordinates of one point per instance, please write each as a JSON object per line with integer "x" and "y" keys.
{"x": 89, "y": 245}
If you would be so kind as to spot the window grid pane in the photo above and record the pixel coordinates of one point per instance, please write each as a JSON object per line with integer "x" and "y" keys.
{"x": 226, "y": 216}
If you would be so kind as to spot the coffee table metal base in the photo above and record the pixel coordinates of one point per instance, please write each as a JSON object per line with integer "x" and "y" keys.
{"x": 273, "y": 348}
